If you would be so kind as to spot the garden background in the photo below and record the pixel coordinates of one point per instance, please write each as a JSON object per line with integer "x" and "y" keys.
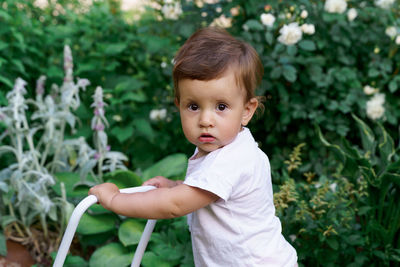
{"x": 86, "y": 96}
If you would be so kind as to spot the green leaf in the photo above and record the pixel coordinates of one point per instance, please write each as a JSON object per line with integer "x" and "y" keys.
{"x": 122, "y": 133}
{"x": 335, "y": 148}
{"x": 75, "y": 261}
{"x": 150, "y": 259}
{"x": 70, "y": 179}
{"x": 370, "y": 175}
{"x": 254, "y": 25}
{"x": 143, "y": 128}
{"x": 367, "y": 136}
{"x": 393, "y": 86}
{"x": 169, "y": 166}
{"x": 276, "y": 72}
{"x": 113, "y": 49}
{"x": 373, "y": 73}
{"x": 269, "y": 37}
{"x": 3, "y": 45}
{"x": 125, "y": 178}
{"x": 290, "y": 73}
{"x": 391, "y": 177}
{"x": 385, "y": 145}
{"x": 307, "y": 45}
{"x": 113, "y": 254}
{"x": 6, "y": 81}
{"x": 130, "y": 231}
{"x": 333, "y": 243}
{"x": 3, "y": 245}
{"x": 93, "y": 224}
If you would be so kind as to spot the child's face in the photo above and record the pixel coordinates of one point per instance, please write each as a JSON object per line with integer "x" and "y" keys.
{"x": 213, "y": 112}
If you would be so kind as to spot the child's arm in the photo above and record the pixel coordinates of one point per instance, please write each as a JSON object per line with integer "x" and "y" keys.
{"x": 160, "y": 203}
{"x": 160, "y": 181}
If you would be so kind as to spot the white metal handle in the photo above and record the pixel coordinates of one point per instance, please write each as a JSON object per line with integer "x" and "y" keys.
{"x": 76, "y": 216}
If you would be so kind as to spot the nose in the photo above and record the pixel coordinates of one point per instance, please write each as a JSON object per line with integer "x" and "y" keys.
{"x": 206, "y": 119}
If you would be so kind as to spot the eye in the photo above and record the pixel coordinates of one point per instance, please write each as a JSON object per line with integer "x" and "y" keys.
{"x": 222, "y": 107}
{"x": 193, "y": 107}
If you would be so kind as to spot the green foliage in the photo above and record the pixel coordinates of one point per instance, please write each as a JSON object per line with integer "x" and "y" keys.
{"x": 376, "y": 163}
{"x": 112, "y": 254}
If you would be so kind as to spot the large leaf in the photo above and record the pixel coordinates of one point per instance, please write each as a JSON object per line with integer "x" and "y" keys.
{"x": 385, "y": 145}
{"x": 130, "y": 231}
{"x": 124, "y": 178}
{"x": 367, "y": 136}
{"x": 150, "y": 260}
{"x": 335, "y": 148}
{"x": 93, "y": 224}
{"x": 173, "y": 165}
{"x": 113, "y": 254}
{"x": 70, "y": 179}
{"x": 74, "y": 261}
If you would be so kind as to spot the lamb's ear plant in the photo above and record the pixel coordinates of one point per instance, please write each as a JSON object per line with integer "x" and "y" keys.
{"x": 34, "y": 136}
{"x": 376, "y": 161}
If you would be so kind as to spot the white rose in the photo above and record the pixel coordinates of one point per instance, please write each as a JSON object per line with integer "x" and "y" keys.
{"x": 375, "y": 109}
{"x": 397, "y": 40}
{"x": 333, "y": 187}
{"x": 308, "y": 28}
{"x": 369, "y": 90}
{"x": 304, "y": 14}
{"x": 386, "y": 4}
{"x": 290, "y": 34}
{"x": 352, "y": 14}
{"x": 222, "y": 22}
{"x": 391, "y": 31}
{"x": 335, "y": 6}
{"x": 267, "y": 19}
{"x": 158, "y": 114}
{"x": 172, "y": 11}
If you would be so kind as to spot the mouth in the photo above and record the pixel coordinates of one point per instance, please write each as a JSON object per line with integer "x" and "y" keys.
{"x": 206, "y": 138}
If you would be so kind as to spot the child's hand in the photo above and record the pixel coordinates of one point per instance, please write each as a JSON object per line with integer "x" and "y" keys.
{"x": 104, "y": 193}
{"x": 160, "y": 181}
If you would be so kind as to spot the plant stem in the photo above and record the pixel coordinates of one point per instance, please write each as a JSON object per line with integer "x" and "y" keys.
{"x": 15, "y": 224}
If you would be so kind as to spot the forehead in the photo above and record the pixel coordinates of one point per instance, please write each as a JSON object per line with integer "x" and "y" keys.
{"x": 224, "y": 87}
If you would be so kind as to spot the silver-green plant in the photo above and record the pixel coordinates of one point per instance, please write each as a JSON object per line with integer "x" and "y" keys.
{"x": 38, "y": 146}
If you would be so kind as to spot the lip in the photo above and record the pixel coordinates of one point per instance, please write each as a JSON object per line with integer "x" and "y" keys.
{"x": 206, "y": 138}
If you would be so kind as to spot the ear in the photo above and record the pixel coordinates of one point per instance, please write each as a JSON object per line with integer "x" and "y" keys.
{"x": 249, "y": 109}
{"x": 176, "y": 102}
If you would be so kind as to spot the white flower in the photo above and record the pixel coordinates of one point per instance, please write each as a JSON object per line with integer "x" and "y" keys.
{"x": 335, "y": 6}
{"x": 290, "y": 34}
{"x": 369, "y": 90}
{"x": 308, "y": 28}
{"x": 333, "y": 187}
{"x": 304, "y": 14}
{"x": 292, "y": 237}
{"x": 163, "y": 64}
{"x": 117, "y": 117}
{"x": 235, "y": 11}
{"x": 352, "y": 14}
{"x": 222, "y": 22}
{"x": 218, "y": 9}
{"x": 375, "y": 109}
{"x": 267, "y": 19}
{"x": 172, "y": 11}
{"x": 397, "y": 40}
{"x": 391, "y": 31}
{"x": 158, "y": 114}
{"x": 386, "y": 4}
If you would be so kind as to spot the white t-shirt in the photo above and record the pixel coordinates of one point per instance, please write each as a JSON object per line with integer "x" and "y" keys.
{"x": 239, "y": 229}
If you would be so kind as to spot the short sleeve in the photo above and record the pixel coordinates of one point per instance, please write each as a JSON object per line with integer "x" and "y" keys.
{"x": 211, "y": 181}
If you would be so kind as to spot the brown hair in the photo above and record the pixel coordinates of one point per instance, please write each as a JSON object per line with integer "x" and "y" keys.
{"x": 209, "y": 52}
